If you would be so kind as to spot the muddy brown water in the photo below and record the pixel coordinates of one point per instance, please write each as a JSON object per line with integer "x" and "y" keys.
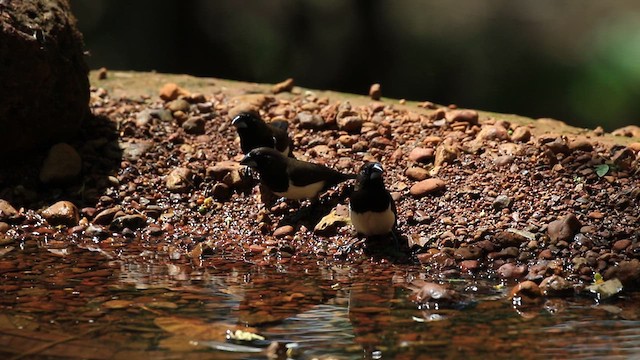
{"x": 66, "y": 302}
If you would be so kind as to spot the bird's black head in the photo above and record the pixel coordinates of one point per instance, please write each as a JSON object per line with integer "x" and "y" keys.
{"x": 370, "y": 173}
{"x": 263, "y": 158}
{"x": 247, "y": 120}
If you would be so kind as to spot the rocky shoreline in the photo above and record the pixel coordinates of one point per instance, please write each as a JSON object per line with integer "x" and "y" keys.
{"x": 479, "y": 194}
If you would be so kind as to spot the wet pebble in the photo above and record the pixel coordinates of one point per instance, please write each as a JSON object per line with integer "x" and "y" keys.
{"x": 221, "y": 192}
{"x": 105, "y": 216}
{"x": 283, "y": 231}
{"x": 4, "y": 227}
{"x": 555, "y": 285}
{"x": 178, "y": 105}
{"x": 132, "y": 222}
{"x": 511, "y": 271}
{"x": 62, "y": 213}
{"x": 527, "y": 289}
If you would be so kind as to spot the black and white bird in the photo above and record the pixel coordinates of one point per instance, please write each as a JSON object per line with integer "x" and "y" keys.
{"x": 371, "y": 207}
{"x": 291, "y": 178}
{"x": 255, "y": 133}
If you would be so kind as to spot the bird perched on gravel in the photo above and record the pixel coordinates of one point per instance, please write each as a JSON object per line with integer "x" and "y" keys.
{"x": 255, "y": 133}
{"x": 290, "y": 178}
{"x": 371, "y": 207}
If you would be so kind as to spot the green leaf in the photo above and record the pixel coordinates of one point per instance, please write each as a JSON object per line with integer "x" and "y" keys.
{"x": 602, "y": 170}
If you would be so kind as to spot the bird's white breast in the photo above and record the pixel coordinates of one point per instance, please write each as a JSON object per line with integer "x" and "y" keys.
{"x": 301, "y": 192}
{"x": 373, "y": 223}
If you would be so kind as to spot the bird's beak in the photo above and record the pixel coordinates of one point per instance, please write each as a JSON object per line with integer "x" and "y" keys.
{"x": 249, "y": 161}
{"x": 378, "y": 167}
{"x": 376, "y": 171}
{"x": 239, "y": 123}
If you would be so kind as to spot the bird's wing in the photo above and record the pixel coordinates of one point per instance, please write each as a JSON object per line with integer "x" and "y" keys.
{"x": 303, "y": 173}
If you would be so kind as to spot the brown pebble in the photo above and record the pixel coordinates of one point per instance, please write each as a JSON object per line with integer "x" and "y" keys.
{"x": 564, "y": 229}
{"x": 171, "y": 91}
{"x": 521, "y": 134}
{"x": 469, "y": 265}
{"x": 428, "y": 186}
{"x": 375, "y": 92}
{"x": 620, "y": 245}
{"x": 62, "y": 213}
{"x": 286, "y": 85}
{"x": 416, "y": 173}
{"x": 467, "y": 116}
{"x": 422, "y": 155}
{"x": 526, "y": 288}
{"x": 283, "y": 231}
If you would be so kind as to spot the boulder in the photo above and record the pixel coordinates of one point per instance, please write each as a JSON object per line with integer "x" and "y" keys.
{"x": 44, "y": 94}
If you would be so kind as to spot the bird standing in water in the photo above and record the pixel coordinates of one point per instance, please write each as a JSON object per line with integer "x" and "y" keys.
{"x": 371, "y": 207}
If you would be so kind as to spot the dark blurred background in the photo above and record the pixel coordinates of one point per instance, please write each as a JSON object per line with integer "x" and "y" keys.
{"x": 574, "y": 60}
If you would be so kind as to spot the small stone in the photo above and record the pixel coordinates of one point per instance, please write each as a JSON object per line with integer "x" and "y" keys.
{"x": 527, "y": 289}
{"x": 62, "y": 213}
{"x": 171, "y": 91}
{"x": 501, "y": 202}
{"x": 606, "y": 289}
{"x": 222, "y": 168}
{"x": 286, "y": 85}
{"x": 179, "y": 180}
{"x": 555, "y": 285}
{"x": 105, "y": 217}
{"x": 582, "y": 145}
{"x": 468, "y": 253}
{"x": 503, "y": 160}
{"x": 178, "y": 105}
{"x": 416, "y": 173}
{"x": 558, "y": 146}
{"x": 283, "y": 231}
{"x": 511, "y": 271}
{"x": 521, "y": 134}
{"x": 422, "y": 155}
{"x": 469, "y": 265}
{"x": 624, "y": 159}
{"x": 628, "y": 272}
{"x": 375, "y": 92}
{"x": 621, "y": 245}
{"x": 428, "y": 186}
{"x": 635, "y": 146}
{"x": 564, "y": 229}
{"x": 493, "y": 133}
{"x": 445, "y": 153}
{"x": 468, "y": 116}
{"x": 310, "y": 121}
{"x": 7, "y": 212}
{"x": 102, "y": 73}
{"x": 350, "y": 124}
{"x": 61, "y": 166}
{"x": 595, "y": 214}
{"x": 347, "y": 140}
{"x": 221, "y": 192}
{"x": 194, "y": 126}
{"x": 132, "y": 222}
